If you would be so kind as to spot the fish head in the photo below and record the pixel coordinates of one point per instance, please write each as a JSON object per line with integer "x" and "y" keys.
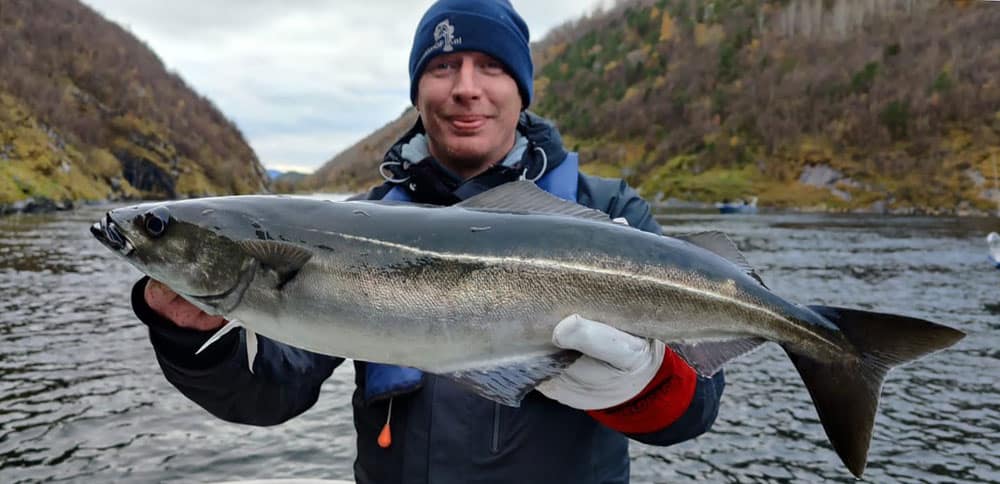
{"x": 181, "y": 244}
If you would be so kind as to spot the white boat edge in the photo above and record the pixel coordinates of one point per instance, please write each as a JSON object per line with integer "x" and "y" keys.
{"x": 286, "y": 481}
{"x": 993, "y": 241}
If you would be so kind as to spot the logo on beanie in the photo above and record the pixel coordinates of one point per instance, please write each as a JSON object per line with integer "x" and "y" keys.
{"x": 444, "y": 38}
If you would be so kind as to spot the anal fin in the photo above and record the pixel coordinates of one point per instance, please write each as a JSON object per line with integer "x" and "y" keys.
{"x": 708, "y": 357}
{"x": 508, "y": 381}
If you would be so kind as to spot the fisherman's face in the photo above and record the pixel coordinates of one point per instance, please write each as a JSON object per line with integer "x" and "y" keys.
{"x": 469, "y": 106}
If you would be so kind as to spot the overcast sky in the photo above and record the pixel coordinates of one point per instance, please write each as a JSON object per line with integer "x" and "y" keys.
{"x": 303, "y": 79}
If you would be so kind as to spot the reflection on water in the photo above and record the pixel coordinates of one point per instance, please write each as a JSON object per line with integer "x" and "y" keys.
{"x": 81, "y": 397}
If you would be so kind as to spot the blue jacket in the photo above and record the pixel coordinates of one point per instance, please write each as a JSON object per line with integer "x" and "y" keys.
{"x": 441, "y": 433}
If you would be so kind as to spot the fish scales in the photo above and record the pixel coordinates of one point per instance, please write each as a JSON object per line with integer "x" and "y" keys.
{"x": 405, "y": 283}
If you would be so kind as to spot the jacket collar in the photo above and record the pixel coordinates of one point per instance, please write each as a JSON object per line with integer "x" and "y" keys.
{"x": 431, "y": 182}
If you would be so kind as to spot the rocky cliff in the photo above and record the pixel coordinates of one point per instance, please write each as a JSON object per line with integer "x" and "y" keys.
{"x": 88, "y": 112}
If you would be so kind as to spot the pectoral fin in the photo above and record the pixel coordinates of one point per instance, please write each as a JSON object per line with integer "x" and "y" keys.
{"x": 284, "y": 258}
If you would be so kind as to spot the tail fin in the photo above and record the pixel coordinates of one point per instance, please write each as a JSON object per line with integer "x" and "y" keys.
{"x": 846, "y": 394}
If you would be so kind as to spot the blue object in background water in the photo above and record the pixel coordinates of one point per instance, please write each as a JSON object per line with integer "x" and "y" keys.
{"x": 731, "y": 209}
{"x": 83, "y": 400}
{"x": 738, "y": 206}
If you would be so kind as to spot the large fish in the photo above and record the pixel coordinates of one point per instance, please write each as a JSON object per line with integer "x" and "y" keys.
{"x": 473, "y": 291}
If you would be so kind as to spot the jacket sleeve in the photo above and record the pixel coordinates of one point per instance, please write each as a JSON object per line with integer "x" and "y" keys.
{"x": 285, "y": 382}
{"x": 617, "y": 199}
{"x": 696, "y": 420}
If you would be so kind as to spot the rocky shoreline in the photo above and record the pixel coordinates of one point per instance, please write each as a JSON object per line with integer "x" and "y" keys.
{"x": 37, "y": 205}
{"x": 875, "y": 209}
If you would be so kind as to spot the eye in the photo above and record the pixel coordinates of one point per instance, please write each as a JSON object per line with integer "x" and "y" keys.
{"x": 441, "y": 67}
{"x": 493, "y": 67}
{"x": 155, "y": 221}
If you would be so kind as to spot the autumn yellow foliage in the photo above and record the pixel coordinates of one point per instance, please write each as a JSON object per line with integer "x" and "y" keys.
{"x": 667, "y": 28}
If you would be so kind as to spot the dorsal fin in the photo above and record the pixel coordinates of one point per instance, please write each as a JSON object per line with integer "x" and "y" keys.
{"x": 282, "y": 257}
{"x": 723, "y": 246}
{"x": 525, "y": 197}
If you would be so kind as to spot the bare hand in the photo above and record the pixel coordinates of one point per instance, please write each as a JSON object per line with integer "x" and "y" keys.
{"x": 165, "y": 302}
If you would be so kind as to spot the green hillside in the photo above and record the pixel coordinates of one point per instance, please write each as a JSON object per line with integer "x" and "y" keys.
{"x": 813, "y": 104}
{"x": 834, "y": 104}
{"x": 88, "y": 112}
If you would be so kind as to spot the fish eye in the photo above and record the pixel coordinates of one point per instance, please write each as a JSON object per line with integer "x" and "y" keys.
{"x": 155, "y": 221}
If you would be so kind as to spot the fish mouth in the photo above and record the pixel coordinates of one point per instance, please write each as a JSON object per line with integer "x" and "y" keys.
{"x": 107, "y": 232}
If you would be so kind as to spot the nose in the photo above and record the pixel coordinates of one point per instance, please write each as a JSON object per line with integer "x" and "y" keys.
{"x": 466, "y": 83}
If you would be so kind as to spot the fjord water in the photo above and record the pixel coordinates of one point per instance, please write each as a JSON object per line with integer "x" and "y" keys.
{"x": 82, "y": 399}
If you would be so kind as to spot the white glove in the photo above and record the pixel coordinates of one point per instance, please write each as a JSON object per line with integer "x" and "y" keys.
{"x": 614, "y": 368}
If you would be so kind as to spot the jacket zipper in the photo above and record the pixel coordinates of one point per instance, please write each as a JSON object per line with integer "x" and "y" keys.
{"x": 495, "y": 443}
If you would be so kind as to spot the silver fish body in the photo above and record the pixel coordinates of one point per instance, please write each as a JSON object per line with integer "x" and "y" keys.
{"x": 474, "y": 291}
{"x": 434, "y": 289}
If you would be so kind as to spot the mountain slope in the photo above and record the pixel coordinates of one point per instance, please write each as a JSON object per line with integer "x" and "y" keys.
{"x": 89, "y": 112}
{"x": 825, "y": 104}
{"x": 356, "y": 168}
{"x": 897, "y": 101}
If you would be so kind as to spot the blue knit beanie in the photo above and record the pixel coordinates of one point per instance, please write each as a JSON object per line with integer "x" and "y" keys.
{"x": 488, "y": 26}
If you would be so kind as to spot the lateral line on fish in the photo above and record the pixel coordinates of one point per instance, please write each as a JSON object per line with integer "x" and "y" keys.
{"x": 550, "y": 264}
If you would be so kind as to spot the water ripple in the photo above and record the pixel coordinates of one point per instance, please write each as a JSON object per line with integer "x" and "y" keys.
{"x": 82, "y": 399}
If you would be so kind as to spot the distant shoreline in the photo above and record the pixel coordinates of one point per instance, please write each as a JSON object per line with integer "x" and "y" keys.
{"x": 41, "y": 205}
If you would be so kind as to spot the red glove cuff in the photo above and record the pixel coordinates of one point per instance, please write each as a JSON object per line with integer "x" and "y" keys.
{"x": 661, "y": 403}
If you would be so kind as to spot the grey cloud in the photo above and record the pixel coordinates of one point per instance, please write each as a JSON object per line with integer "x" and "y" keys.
{"x": 304, "y": 79}
{"x": 199, "y": 18}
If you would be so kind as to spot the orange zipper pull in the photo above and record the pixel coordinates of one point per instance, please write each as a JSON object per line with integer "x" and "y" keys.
{"x": 385, "y": 436}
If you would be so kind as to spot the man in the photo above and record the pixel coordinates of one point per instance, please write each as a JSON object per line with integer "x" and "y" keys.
{"x": 471, "y": 81}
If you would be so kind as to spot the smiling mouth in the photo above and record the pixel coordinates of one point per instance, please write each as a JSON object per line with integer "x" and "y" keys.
{"x": 467, "y": 123}
{"x": 107, "y": 232}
